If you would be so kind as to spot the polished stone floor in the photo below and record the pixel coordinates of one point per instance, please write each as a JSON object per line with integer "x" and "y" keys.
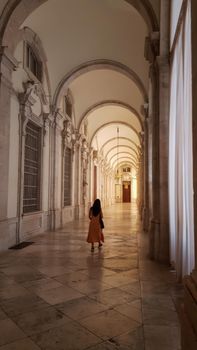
{"x": 57, "y": 294}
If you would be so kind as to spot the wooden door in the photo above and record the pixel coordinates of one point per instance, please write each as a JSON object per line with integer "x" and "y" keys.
{"x": 126, "y": 192}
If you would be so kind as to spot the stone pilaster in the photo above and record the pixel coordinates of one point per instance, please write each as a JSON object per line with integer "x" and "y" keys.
{"x": 189, "y": 309}
{"x": 151, "y": 53}
{"x": 145, "y": 171}
{"x": 140, "y": 184}
{"x": 7, "y": 65}
{"x": 159, "y": 69}
{"x": 55, "y": 207}
{"x": 78, "y": 175}
{"x": 162, "y": 241}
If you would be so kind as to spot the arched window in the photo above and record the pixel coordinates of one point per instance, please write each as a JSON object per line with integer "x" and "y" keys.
{"x": 32, "y": 62}
{"x": 67, "y": 177}
{"x": 32, "y": 164}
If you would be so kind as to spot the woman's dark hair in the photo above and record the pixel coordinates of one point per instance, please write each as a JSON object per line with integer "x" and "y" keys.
{"x": 96, "y": 208}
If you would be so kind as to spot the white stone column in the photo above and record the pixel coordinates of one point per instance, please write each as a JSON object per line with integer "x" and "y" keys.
{"x": 56, "y": 150}
{"x": 189, "y": 309}
{"x": 77, "y": 182}
{"x": 154, "y": 225}
{"x": 162, "y": 240}
{"x": 151, "y": 53}
{"x": 7, "y": 65}
{"x": 8, "y": 229}
{"x": 146, "y": 194}
{"x": 91, "y": 177}
{"x": 140, "y": 182}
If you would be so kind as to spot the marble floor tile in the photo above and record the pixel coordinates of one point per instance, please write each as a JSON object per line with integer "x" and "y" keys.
{"x": 24, "y": 344}
{"x": 117, "y": 280}
{"x": 20, "y": 305}
{"x": 108, "y": 324}
{"x": 132, "y": 288}
{"x": 5, "y": 280}
{"x": 12, "y": 291}
{"x": 58, "y": 295}
{"x": 81, "y": 308}
{"x": 162, "y": 338}
{"x": 160, "y": 317}
{"x": 161, "y": 302}
{"x": 112, "y": 297}
{"x": 2, "y": 315}
{"x": 9, "y": 332}
{"x": 40, "y": 320}
{"x": 130, "y": 311}
{"x": 52, "y": 271}
{"x": 74, "y": 277}
{"x": 120, "y": 264}
{"x": 98, "y": 272}
{"x": 22, "y": 274}
{"x": 43, "y": 284}
{"x": 105, "y": 345}
{"x": 133, "y": 340}
{"x": 71, "y": 336}
{"x": 89, "y": 286}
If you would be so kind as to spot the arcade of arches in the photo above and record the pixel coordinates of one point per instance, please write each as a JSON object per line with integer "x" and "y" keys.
{"x": 97, "y": 100}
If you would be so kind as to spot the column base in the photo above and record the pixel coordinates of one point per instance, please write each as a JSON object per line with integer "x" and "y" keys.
{"x": 189, "y": 313}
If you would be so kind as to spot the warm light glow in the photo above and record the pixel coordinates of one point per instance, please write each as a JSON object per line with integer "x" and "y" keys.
{"x": 134, "y": 188}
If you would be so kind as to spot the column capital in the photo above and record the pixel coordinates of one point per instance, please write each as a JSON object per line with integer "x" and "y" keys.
{"x": 151, "y": 46}
{"x": 144, "y": 110}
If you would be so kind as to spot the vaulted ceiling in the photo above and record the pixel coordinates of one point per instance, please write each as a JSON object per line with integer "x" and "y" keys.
{"x": 96, "y": 50}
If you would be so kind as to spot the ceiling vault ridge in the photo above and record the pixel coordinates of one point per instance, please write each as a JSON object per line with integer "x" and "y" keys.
{"x": 130, "y": 154}
{"x": 120, "y": 146}
{"x": 96, "y": 65}
{"x": 111, "y": 102}
{"x": 116, "y": 122}
{"x": 123, "y": 138}
{"x": 10, "y": 12}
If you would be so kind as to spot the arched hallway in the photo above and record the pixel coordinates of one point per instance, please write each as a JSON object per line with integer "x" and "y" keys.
{"x": 57, "y": 294}
{"x": 98, "y": 100}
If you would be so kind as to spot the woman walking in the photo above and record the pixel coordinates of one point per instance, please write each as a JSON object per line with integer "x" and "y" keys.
{"x": 95, "y": 233}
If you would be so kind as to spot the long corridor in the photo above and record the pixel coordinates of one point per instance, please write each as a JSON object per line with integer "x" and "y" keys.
{"x": 57, "y": 294}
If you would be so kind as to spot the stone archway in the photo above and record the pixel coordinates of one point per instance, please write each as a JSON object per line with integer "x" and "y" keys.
{"x": 16, "y": 11}
{"x": 95, "y": 65}
{"x": 108, "y": 103}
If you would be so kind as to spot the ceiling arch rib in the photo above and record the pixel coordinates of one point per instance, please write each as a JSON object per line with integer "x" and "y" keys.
{"x": 121, "y": 154}
{"x": 121, "y": 147}
{"x": 112, "y": 142}
{"x": 116, "y": 103}
{"x": 125, "y": 164}
{"x": 109, "y": 130}
{"x": 122, "y": 160}
{"x": 98, "y": 89}
{"x": 111, "y": 148}
{"x": 98, "y": 64}
{"x": 88, "y": 48}
{"x": 106, "y": 115}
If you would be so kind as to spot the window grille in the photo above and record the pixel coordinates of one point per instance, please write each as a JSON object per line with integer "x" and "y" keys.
{"x": 31, "y": 196}
{"x": 32, "y": 63}
{"x": 67, "y": 177}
